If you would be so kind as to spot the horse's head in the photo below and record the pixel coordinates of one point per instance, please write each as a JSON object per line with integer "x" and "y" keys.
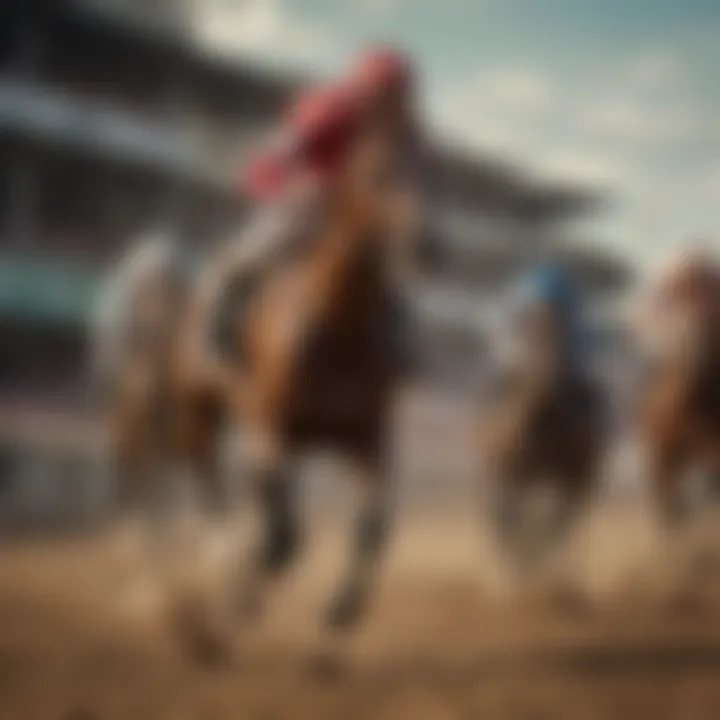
{"x": 679, "y": 324}
{"x": 365, "y": 192}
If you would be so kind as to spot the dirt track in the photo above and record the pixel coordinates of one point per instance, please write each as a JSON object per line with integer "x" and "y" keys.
{"x": 447, "y": 638}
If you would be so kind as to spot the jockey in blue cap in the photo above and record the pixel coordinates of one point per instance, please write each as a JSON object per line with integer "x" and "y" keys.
{"x": 556, "y": 288}
{"x": 541, "y": 285}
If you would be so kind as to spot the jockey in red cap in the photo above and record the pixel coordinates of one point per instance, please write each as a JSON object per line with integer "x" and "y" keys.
{"x": 382, "y": 72}
{"x": 320, "y": 126}
{"x": 314, "y": 140}
{"x": 290, "y": 178}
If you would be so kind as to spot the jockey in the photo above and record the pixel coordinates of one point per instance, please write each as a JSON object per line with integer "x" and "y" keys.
{"x": 552, "y": 286}
{"x": 308, "y": 150}
{"x": 290, "y": 181}
{"x": 319, "y": 129}
{"x": 555, "y": 288}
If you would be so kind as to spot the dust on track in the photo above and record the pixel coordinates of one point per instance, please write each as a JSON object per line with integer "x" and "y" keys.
{"x": 625, "y": 626}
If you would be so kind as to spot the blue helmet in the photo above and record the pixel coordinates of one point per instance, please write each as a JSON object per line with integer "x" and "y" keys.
{"x": 551, "y": 284}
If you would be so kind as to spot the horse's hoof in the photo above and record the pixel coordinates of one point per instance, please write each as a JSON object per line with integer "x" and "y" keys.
{"x": 206, "y": 641}
{"x": 248, "y": 606}
{"x": 673, "y": 520}
{"x": 345, "y": 612}
{"x": 327, "y": 666}
{"x": 209, "y": 650}
{"x": 281, "y": 551}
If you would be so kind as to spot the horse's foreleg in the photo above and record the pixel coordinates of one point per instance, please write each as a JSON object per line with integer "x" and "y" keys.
{"x": 666, "y": 477}
{"x": 130, "y": 478}
{"x": 371, "y": 533}
{"x": 281, "y": 532}
{"x": 507, "y": 509}
{"x": 505, "y": 480}
{"x": 278, "y": 542}
{"x": 574, "y": 497}
{"x": 214, "y": 496}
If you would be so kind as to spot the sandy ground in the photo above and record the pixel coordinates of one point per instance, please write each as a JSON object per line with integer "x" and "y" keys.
{"x": 625, "y": 625}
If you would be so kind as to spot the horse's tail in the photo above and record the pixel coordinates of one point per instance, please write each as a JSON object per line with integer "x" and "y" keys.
{"x": 106, "y": 337}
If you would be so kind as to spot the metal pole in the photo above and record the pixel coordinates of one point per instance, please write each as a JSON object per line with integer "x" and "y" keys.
{"x": 23, "y": 189}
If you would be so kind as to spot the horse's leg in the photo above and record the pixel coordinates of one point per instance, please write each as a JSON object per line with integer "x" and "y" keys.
{"x": 509, "y": 473}
{"x": 372, "y": 527}
{"x": 577, "y": 482}
{"x": 666, "y": 467}
{"x": 199, "y": 433}
{"x": 274, "y": 487}
{"x": 129, "y": 466}
{"x": 507, "y": 506}
{"x": 575, "y": 490}
{"x": 132, "y": 482}
{"x": 128, "y": 483}
{"x": 714, "y": 481}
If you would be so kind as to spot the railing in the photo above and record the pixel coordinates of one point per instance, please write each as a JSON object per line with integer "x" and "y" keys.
{"x": 52, "y": 472}
{"x": 53, "y": 113}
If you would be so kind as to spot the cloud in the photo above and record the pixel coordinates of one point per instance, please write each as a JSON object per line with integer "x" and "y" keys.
{"x": 514, "y": 87}
{"x": 654, "y": 69}
{"x": 381, "y": 8}
{"x": 265, "y": 30}
{"x": 712, "y": 181}
{"x": 584, "y": 166}
{"x": 624, "y": 136}
{"x": 501, "y": 109}
{"x": 635, "y": 120}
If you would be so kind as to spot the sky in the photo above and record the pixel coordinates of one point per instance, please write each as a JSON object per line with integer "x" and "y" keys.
{"x": 619, "y": 95}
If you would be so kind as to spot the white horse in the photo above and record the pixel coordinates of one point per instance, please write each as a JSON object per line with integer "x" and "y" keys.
{"x": 153, "y": 255}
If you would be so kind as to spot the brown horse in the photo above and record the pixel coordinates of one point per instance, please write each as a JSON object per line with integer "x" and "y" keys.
{"x": 678, "y": 411}
{"x": 543, "y": 428}
{"x": 312, "y": 361}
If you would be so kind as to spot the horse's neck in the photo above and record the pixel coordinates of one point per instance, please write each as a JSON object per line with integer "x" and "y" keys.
{"x": 349, "y": 268}
{"x": 538, "y": 382}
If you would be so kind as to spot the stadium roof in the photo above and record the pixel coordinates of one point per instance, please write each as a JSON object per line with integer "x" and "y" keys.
{"x": 230, "y": 81}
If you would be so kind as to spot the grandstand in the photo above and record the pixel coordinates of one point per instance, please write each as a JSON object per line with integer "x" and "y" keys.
{"x": 113, "y": 120}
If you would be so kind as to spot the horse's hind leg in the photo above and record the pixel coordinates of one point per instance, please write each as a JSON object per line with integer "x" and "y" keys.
{"x": 130, "y": 472}
{"x": 506, "y": 509}
{"x": 574, "y": 496}
{"x": 213, "y": 493}
{"x": 371, "y": 533}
